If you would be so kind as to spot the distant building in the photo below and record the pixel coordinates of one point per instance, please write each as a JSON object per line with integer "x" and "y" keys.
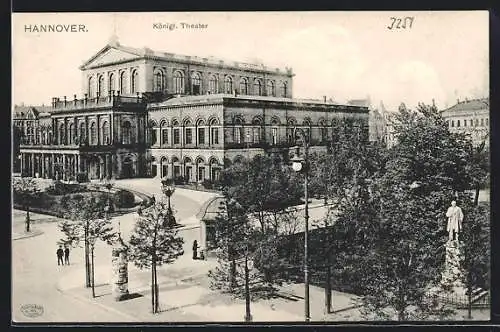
{"x": 153, "y": 114}
{"x": 470, "y": 117}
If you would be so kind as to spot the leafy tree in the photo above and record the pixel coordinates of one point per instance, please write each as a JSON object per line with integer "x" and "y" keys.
{"x": 474, "y": 240}
{"x": 261, "y": 185}
{"x": 86, "y": 221}
{"x": 153, "y": 243}
{"x": 403, "y": 235}
{"x": 26, "y": 193}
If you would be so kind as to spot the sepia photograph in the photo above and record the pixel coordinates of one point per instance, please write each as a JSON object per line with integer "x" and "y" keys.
{"x": 251, "y": 167}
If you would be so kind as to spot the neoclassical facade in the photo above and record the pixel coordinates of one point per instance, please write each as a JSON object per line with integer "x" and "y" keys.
{"x": 152, "y": 114}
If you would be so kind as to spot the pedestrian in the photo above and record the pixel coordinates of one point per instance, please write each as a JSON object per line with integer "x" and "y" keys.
{"x": 60, "y": 254}
{"x": 195, "y": 249}
{"x": 66, "y": 255}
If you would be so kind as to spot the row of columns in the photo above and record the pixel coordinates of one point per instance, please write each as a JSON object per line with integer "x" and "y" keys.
{"x": 64, "y": 166}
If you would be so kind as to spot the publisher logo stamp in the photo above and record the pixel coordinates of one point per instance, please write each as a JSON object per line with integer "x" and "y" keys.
{"x": 32, "y": 310}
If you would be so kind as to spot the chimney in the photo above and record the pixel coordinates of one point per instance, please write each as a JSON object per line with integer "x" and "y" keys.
{"x": 324, "y": 99}
{"x": 74, "y": 100}
{"x": 65, "y": 101}
{"x": 458, "y": 101}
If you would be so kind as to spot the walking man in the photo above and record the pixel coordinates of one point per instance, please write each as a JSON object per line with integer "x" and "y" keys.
{"x": 66, "y": 255}
{"x": 60, "y": 254}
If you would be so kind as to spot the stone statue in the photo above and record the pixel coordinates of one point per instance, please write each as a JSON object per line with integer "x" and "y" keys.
{"x": 455, "y": 217}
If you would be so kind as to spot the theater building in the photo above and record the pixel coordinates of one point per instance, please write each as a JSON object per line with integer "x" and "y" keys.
{"x": 152, "y": 114}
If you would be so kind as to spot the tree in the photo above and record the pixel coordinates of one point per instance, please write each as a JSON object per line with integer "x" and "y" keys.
{"x": 475, "y": 244}
{"x": 153, "y": 243}
{"x": 261, "y": 185}
{"x": 86, "y": 221}
{"x": 26, "y": 192}
{"x": 403, "y": 234}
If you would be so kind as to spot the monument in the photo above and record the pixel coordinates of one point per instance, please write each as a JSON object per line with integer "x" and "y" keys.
{"x": 119, "y": 261}
{"x": 452, "y": 275}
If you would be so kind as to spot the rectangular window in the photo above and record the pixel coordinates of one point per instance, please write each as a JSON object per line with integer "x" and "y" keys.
{"x": 458, "y": 123}
{"x": 177, "y": 138}
{"x": 256, "y": 135}
{"x": 471, "y": 123}
{"x": 452, "y": 123}
{"x": 482, "y": 122}
{"x": 189, "y": 136}
{"x": 201, "y": 135}
{"x": 215, "y": 135}
{"x": 465, "y": 123}
{"x": 164, "y": 136}
{"x": 477, "y": 122}
{"x": 237, "y": 135}
{"x": 275, "y": 136}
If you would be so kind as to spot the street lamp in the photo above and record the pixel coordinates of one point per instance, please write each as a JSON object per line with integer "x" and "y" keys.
{"x": 300, "y": 165}
{"x": 168, "y": 188}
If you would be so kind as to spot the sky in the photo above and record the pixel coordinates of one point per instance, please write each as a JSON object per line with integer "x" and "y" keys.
{"x": 342, "y": 55}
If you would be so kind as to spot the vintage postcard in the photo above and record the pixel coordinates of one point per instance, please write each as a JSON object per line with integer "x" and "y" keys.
{"x": 259, "y": 167}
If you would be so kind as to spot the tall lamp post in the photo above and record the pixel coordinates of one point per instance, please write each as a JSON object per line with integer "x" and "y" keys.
{"x": 168, "y": 188}
{"x": 300, "y": 165}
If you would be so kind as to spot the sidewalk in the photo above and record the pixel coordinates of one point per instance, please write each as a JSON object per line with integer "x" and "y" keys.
{"x": 185, "y": 296}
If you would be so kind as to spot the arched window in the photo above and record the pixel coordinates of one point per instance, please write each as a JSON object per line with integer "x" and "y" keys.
{"x": 213, "y": 84}
{"x": 257, "y": 87}
{"x": 195, "y": 83}
{"x": 105, "y": 133}
{"x": 82, "y": 132}
{"x": 71, "y": 138}
{"x": 61, "y": 134}
{"x": 91, "y": 89}
{"x": 93, "y": 134}
{"x": 126, "y": 133}
{"x": 244, "y": 86}
{"x": 135, "y": 82}
{"x": 228, "y": 84}
{"x": 178, "y": 82}
{"x": 159, "y": 81}
{"x": 270, "y": 88}
{"x": 100, "y": 85}
{"x": 284, "y": 89}
{"x": 111, "y": 83}
{"x": 123, "y": 82}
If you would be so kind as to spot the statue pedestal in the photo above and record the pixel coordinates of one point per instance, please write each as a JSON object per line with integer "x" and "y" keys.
{"x": 119, "y": 260}
{"x": 452, "y": 276}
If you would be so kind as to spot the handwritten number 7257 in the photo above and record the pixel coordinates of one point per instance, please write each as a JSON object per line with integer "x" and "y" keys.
{"x": 401, "y": 23}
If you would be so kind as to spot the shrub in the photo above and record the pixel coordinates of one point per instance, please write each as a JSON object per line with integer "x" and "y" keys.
{"x": 208, "y": 184}
{"x": 59, "y": 188}
{"x": 82, "y": 177}
{"x": 124, "y": 198}
{"x": 179, "y": 180}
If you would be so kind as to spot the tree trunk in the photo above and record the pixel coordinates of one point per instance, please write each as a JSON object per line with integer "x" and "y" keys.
{"x": 152, "y": 285}
{"x": 157, "y": 295}
{"x": 328, "y": 289}
{"x": 27, "y": 218}
{"x": 93, "y": 274}
{"x": 87, "y": 262}
{"x": 476, "y": 196}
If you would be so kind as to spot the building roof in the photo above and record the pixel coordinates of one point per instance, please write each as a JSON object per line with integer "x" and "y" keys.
{"x": 219, "y": 98}
{"x": 469, "y": 105}
{"x": 211, "y": 208}
{"x": 149, "y": 53}
{"x": 22, "y": 111}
